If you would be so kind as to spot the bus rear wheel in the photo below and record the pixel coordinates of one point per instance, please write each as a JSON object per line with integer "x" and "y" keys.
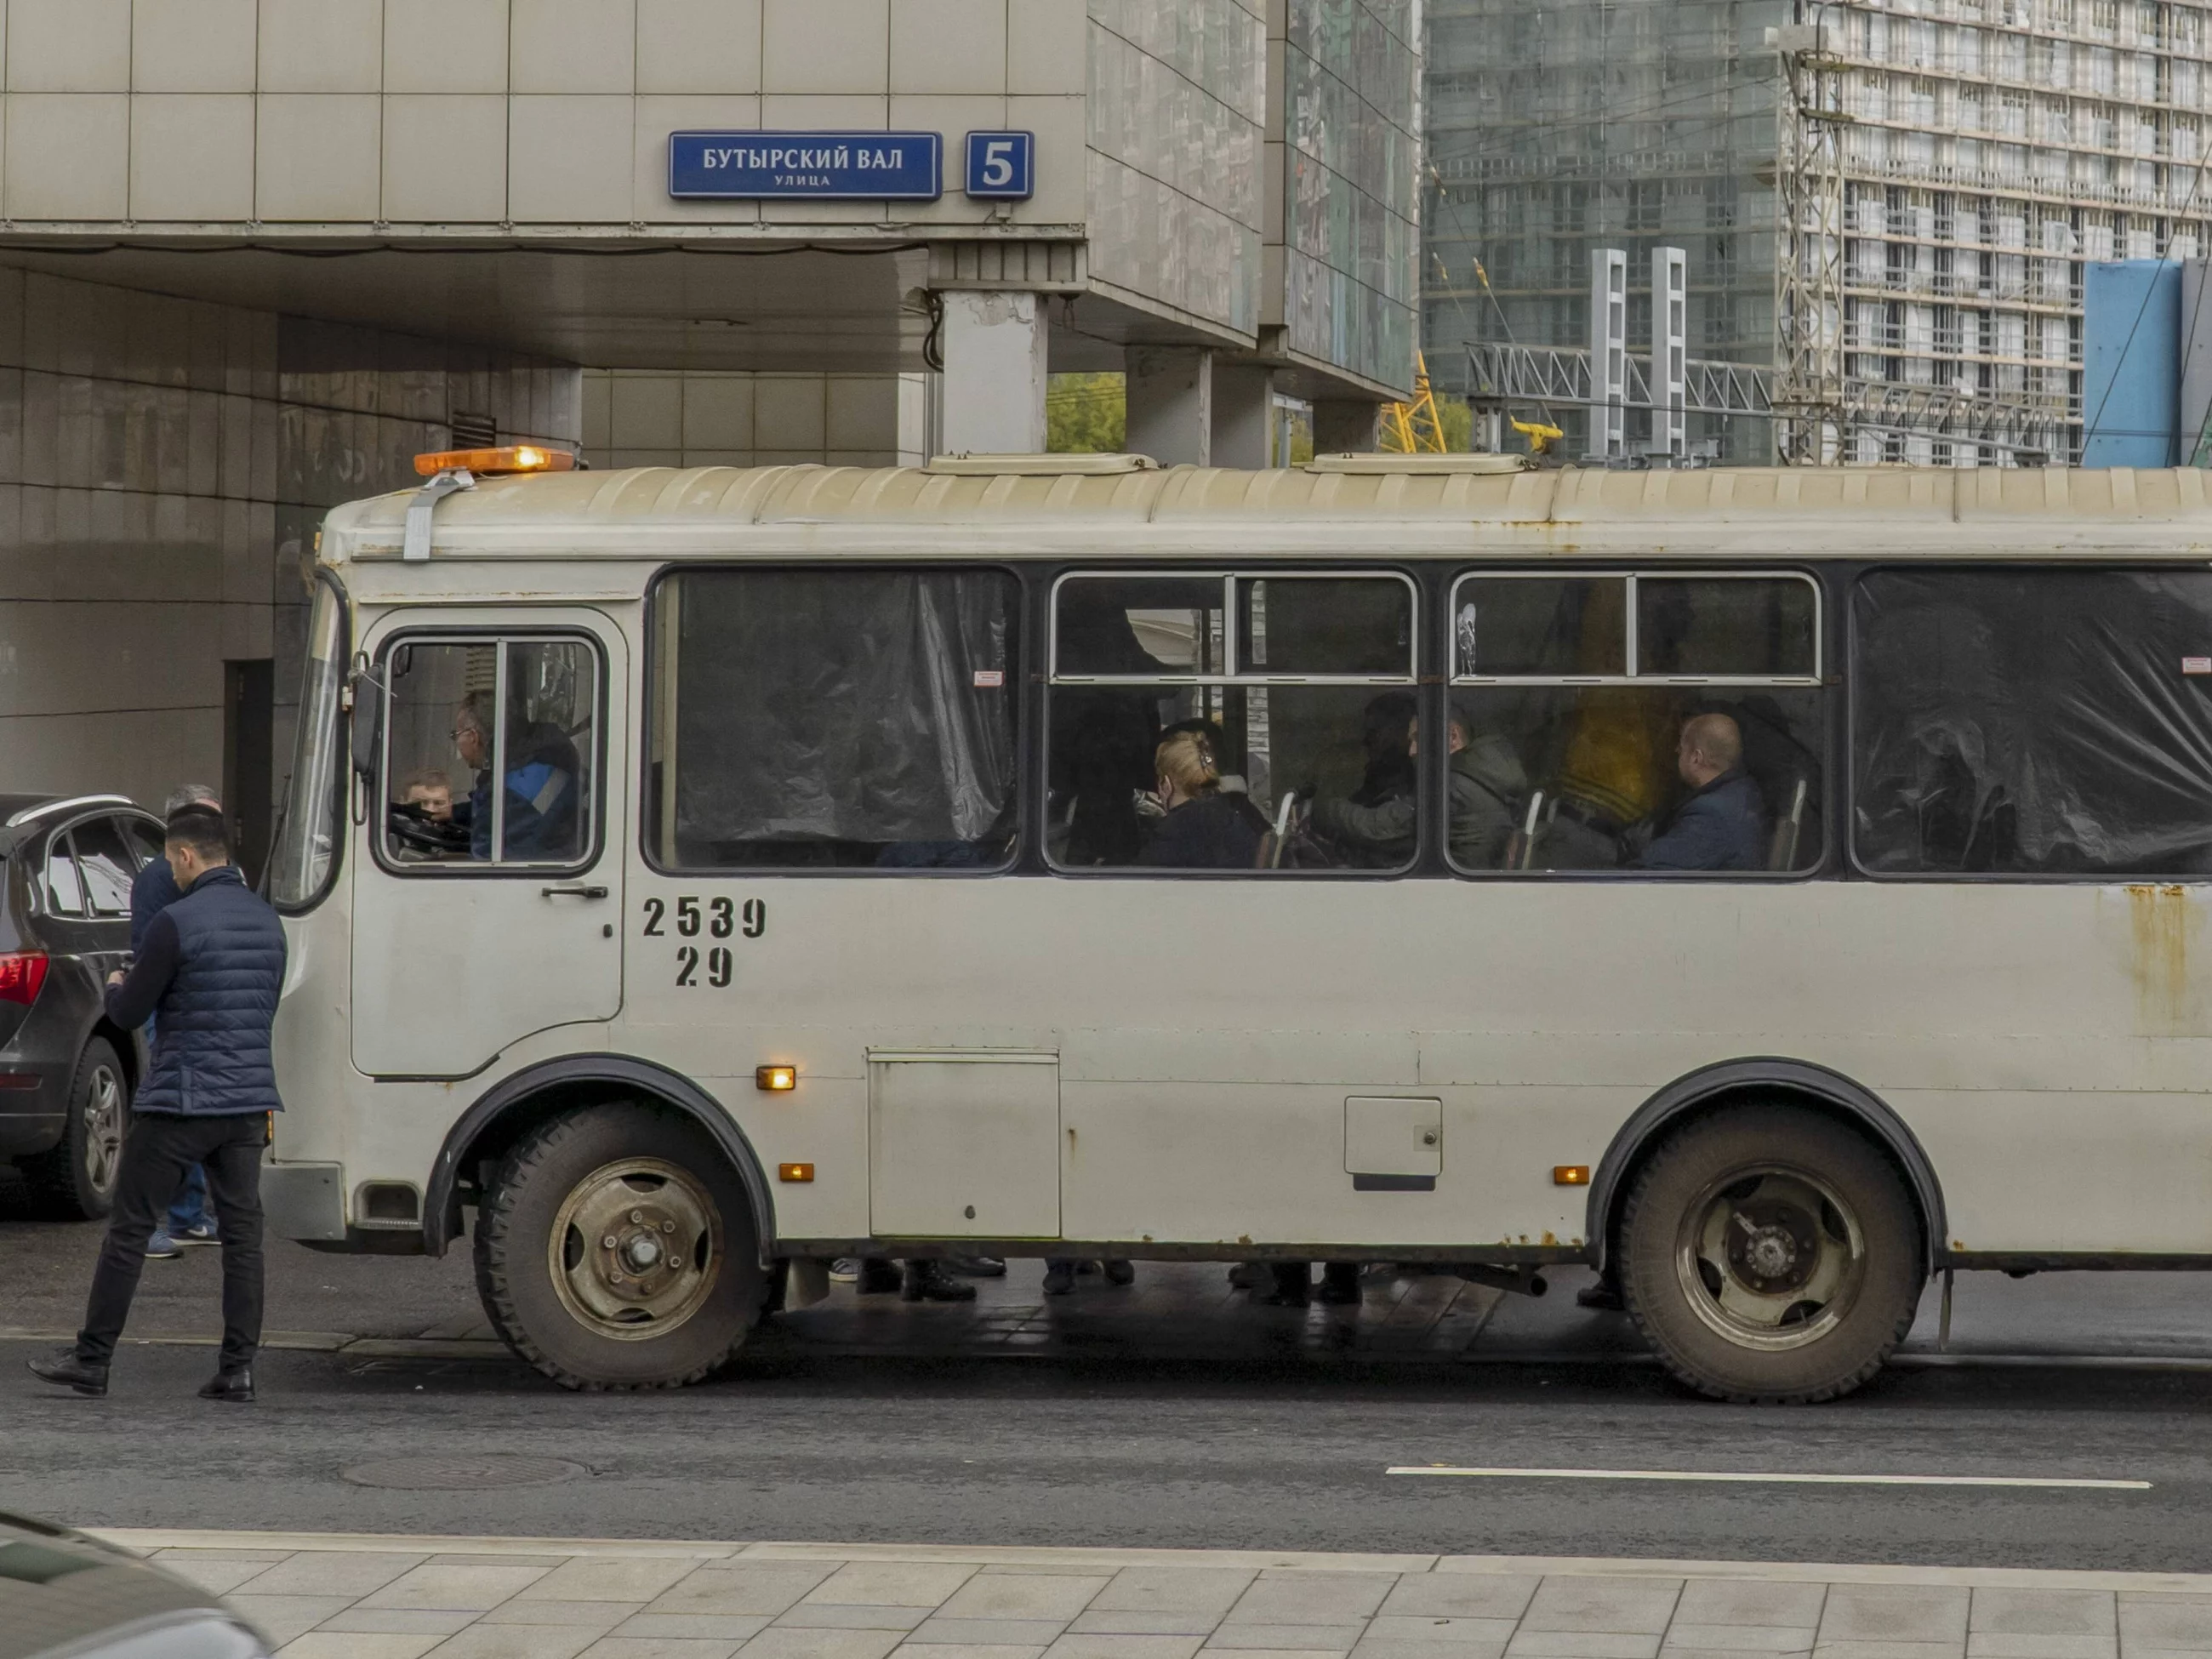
{"x": 1771, "y": 1255}
{"x": 616, "y": 1250}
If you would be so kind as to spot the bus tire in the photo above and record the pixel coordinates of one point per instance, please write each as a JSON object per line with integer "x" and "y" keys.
{"x": 615, "y": 1250}
{"x": 1771, "y": 1255}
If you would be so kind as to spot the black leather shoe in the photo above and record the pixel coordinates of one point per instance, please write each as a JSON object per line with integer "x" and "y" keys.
{"x": 70, "y": 1372}
{"x": 232, "y": 1388}
{"x": 926, "y": 1282}
{"x": 1604, "y": 1297}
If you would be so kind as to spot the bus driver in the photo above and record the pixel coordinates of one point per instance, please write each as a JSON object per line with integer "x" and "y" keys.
{"x": 539, "y": 811}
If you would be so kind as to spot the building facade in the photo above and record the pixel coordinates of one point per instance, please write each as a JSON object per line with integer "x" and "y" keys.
{"x": 254, "y": 254}
{"x": 1978, "y": 154}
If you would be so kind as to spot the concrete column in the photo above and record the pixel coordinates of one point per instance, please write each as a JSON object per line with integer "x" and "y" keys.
{"x": 1243, "y": 416}
{"x": 1344, "y": 426}
{"x": 994, "y": 386}
{"x": 1171, "y": 403}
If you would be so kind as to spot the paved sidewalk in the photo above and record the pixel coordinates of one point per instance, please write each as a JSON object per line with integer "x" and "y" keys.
{"x": 335, "y": 1596}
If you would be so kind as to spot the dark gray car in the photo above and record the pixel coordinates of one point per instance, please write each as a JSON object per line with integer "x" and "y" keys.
{"x": 63, "y": 1596}
{"x": 66, "y": 1072}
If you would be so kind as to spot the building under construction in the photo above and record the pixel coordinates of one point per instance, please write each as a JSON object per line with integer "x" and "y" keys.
{"x": 1872, "y": 199}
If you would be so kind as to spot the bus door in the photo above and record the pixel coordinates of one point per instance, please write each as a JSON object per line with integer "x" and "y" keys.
{"x": 488, "y": 892}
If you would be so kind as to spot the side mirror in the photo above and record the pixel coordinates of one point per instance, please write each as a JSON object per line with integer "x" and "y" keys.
{"x": 365, "y": 730}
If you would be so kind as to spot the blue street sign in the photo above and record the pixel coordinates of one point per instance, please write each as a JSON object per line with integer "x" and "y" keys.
{"x": 1001, "y": 165}
{"x": 821, "y": 167}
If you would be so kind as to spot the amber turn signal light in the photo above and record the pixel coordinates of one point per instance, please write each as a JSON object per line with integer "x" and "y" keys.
{"x": 513, "y": 458}
{"x": 775, "y": 1079}
{"x": 1570, "y": 1175}
{"x": 794, "y": 1172}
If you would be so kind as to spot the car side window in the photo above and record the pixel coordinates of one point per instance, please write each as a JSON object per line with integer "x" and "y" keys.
{"x": 105, "y": 864}
{"x": 144, "y": 840}
{"x": 64, "y": 890}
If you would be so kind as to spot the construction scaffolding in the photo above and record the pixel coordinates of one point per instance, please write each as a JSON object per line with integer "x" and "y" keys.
{"x": 1887, "y": 208}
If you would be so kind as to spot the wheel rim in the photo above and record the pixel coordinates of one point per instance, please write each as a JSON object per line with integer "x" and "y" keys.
{"x": 636, "y": 1249}
{"x": 103, "y": 1129}
{"x": 1771, "y": 1257}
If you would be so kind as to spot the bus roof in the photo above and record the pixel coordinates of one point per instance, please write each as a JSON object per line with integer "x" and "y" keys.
{"x": 1332, "y": 512}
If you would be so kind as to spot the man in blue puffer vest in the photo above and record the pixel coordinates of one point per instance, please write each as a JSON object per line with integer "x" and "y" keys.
{"x": 212, "y": 967}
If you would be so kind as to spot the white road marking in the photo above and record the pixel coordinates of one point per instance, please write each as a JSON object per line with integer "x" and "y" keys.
{"x": 1732, "y": 1477}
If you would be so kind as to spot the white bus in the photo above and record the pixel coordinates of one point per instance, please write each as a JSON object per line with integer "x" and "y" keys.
{"x": 1770, "y": 887}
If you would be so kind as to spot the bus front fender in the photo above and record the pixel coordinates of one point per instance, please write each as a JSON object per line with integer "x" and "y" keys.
{"x": 508, "y": 1111}
{"x": 1762, "y": 1079}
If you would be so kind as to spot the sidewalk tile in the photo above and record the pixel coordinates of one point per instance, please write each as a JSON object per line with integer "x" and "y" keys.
{"x": 656, "y": 1647}
{"x": 281, "y": 1617}
{"x": 2150, "y": 1621}
{"x": 216, "y": 1574}
{"x": 1292, "y": 1598}
{"x": 1021, "y": 1595}
{"x": 840, "y": 1615}
{"x": 1462, "y": 1596}
{"x": 1404, "y": 1627}
{"x": 1071, "y": 1646}
{"x": 487, "y": 1559}
{"x": 1135, "y": 1622}
{"x": 317, "y": 1645}
{"x": 939, "y": 1630}
{"x": 1750, "y": 1602}
{"x": 1399, "y": 1647}
{"x": 1900, "y": 1650}
{"x": 742, "y": 1589}
{"x": 1621, "y": 1607}
{"x": 330, "y": 1572}
{"x": 514, "y": 1641}
{"x": 460, "y": 1589}
{"x": 893, "y": 1584}
{"x": 593, "y": 1618}
{"x": 1581, "y": 1645}
{"x": 1208, "y": 1591}
{"x": 609, "y": 1578}
{"x": 1894, "y": 1613}
{"x": 698, "y": 1626}
{"x": 395, "y": 1621}
{"x": 1738, "y": 1639}
{"x": 2044, "y": 1613}
{"x": 1305, "y": 1636}
{"x": 2003, "y": 1645}
{"x": 780, "y": 1642}
{"x": 948, "y": 1650}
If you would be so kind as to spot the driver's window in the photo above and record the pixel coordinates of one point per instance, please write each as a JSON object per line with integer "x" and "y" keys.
{"x": 490, "y": 751}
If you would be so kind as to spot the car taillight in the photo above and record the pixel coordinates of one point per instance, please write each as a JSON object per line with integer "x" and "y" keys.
{"x": 22, "y": 974}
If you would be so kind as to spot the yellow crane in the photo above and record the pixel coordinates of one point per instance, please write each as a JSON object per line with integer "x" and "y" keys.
{"x": 1412, "y": 428}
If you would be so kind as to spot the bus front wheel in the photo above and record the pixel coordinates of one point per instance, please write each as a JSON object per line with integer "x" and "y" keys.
{"x": 1771, "y": 1255}
{"x": 616, "y": 1250}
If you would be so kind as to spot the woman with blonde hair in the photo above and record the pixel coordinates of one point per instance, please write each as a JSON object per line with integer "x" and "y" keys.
{"x": 1201, "y": 828}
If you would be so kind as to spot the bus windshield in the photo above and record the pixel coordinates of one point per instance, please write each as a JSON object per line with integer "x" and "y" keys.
{"x": 301, "y": 866}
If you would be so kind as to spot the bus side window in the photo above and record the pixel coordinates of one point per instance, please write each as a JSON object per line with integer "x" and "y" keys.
{"x": 462, "y": 713}
{"x": 2031, "y": 722}
{"x": 835, "y": 718}
{"x": 1224, "y": 720}
{"x": 1664, "y": 722}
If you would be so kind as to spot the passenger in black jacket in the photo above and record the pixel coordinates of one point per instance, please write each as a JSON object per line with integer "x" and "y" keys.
{"x": 1203, "y": 828}
{"x": 212, "y": 967}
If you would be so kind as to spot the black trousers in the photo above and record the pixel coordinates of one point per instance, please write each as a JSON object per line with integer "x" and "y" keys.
{"x": 157, "y": 1150}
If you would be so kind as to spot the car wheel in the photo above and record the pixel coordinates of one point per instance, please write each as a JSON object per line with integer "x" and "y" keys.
{"x": 1770, "y": 1255}
{"x": 75, "y": 1180}
{"x": 616, "y": 1250}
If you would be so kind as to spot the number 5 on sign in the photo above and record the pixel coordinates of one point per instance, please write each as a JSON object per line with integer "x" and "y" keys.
{"x": 1001, "y": 165}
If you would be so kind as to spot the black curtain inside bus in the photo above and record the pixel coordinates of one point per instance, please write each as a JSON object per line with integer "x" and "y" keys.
{"x": 846, "y": 717}
{"x": 2033, "y": 721}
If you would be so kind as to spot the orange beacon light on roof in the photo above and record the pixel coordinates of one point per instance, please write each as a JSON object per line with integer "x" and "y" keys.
{"x": 513, "y": 458}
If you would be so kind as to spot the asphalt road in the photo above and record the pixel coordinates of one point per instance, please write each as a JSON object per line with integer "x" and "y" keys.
{"x": 1175, "y": 1420}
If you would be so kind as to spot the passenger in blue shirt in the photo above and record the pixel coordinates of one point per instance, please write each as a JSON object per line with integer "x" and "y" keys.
{"x": 1722, "y": 825}
{"x": 540, "y": 810}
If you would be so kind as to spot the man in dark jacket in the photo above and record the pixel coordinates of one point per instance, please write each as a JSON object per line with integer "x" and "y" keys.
{"x": 1486, "y": 784}
{"x": 1723, "y": 824}
{"x": 211, "y": 969}
{"x": 538, "y": 812}
{"x": 154, "y": 892}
